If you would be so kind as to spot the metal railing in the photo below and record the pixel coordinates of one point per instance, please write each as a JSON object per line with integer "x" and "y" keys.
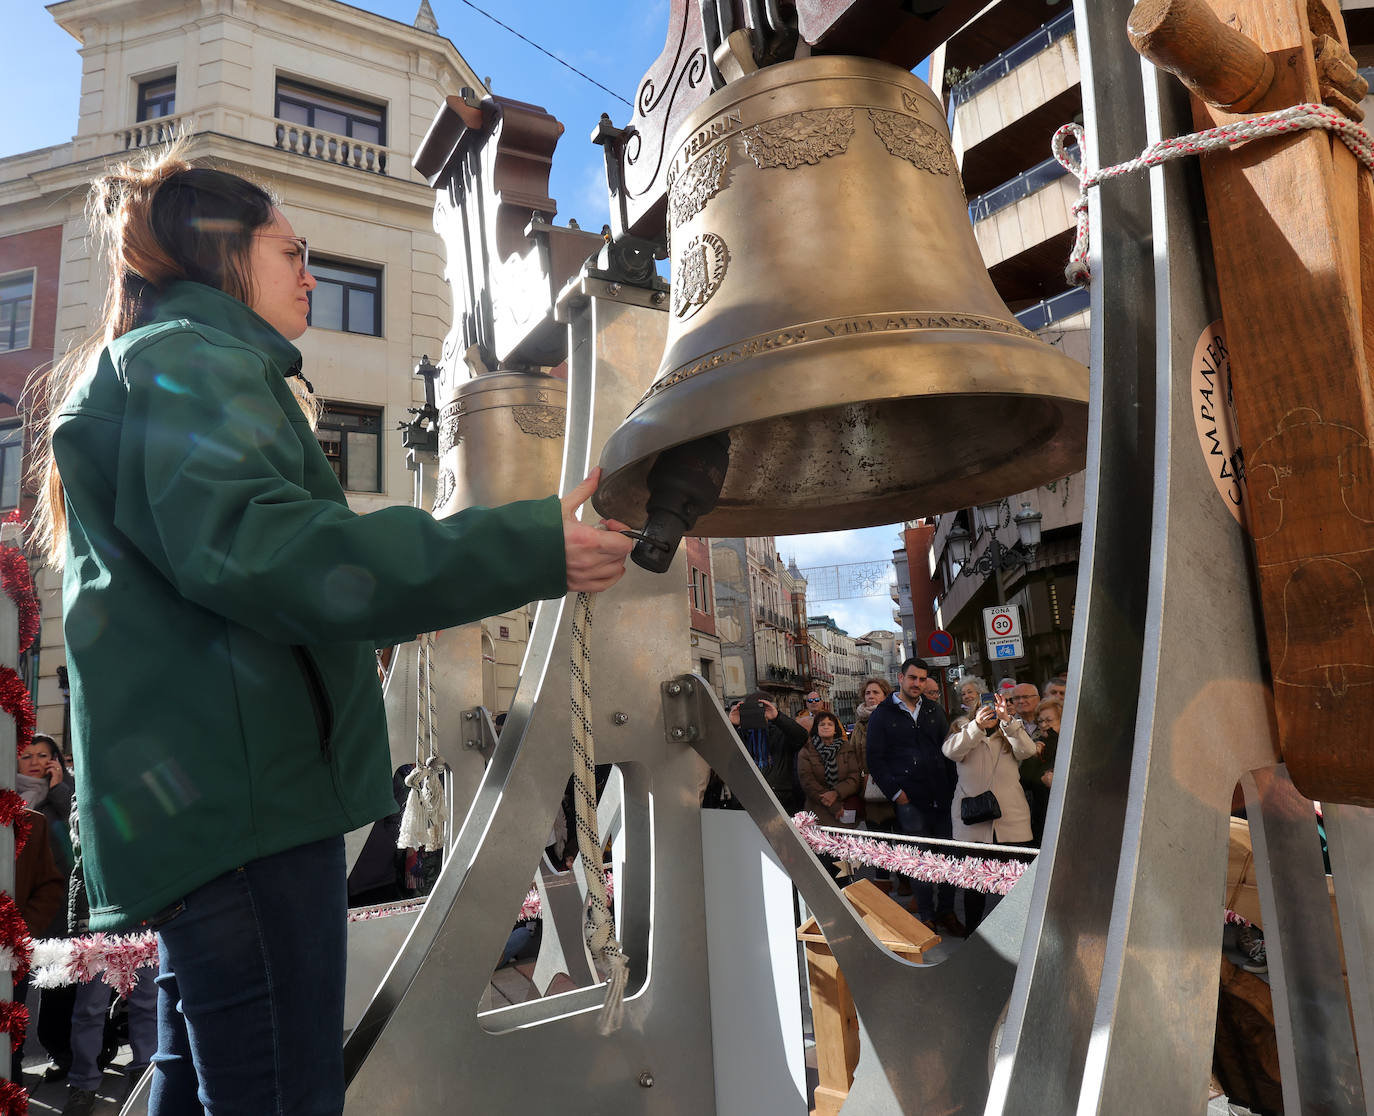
{"x": 1051, "y": 310}
{"x": 990, "y": 72}
{"x": 1013, "y": 190}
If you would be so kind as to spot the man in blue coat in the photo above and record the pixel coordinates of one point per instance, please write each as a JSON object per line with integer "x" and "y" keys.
{"x": 905, "y": 734}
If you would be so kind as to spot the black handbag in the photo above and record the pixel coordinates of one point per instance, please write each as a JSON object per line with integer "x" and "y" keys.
{"x": 980, "y": 808}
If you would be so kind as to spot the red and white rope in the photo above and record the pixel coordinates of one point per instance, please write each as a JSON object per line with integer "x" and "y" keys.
{"x": 1297, "y": 118}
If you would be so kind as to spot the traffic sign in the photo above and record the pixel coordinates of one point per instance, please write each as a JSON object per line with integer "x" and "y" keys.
{"x": 940, "y": 642}
{"x": 1002, "y": 622}
{"x": 953, "y": 674}
{"x": 1007, "y": 649}
{"x": 939, "y": 660}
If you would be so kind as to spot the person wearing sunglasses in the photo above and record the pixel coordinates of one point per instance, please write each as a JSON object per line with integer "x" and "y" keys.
{"x": 812, "y": 704}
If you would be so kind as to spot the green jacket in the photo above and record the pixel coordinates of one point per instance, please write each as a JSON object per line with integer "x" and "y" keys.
{"x": 221, "y": 604}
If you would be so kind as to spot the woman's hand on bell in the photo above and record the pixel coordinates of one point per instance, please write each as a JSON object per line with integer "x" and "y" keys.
{"x": 594, "y": 556}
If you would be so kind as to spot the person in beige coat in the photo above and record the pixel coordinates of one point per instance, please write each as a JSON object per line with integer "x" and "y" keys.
{"x": 988, "y": 749}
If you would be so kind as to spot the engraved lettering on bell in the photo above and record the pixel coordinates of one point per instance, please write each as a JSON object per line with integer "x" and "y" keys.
{"x": 702, "y": 181}
{"x": 443, "y": 488}
{"x": 913, "y": 140}
{"x": 801, "y": 335}
{"x": 541, "y": 421}
{"x": 698, "y": 273}
{"x": 799, "y": 137}
{"x": 448, "y": 426}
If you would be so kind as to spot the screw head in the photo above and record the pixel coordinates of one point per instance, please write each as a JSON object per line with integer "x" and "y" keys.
{"x": 613, "y": 289}
{"x": 678, "y": 732}
{"x": 658, "y": 298}
{"x": 469, "y": 715}
{"x": 646, "y": 1080}
{"x": 620, "y": 718}
{"x": 674, "y": 688}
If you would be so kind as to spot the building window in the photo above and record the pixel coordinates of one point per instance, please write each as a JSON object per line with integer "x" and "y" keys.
{"x": 330, "y": 112}
{"x": 351, "y": 437}
{"x": 348, "y": 297}
{"x": 157, "y": 97}
{"x": 11, "y": 464}
{"x": 701, "y": 591}
{"x": 16, "y": 310}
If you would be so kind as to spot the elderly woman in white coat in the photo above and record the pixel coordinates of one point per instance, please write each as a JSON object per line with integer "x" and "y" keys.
{"x": 988, "y": 749}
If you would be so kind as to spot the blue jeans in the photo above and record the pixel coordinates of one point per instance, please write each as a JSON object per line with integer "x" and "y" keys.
{"x": 251, "y": 991}
{"x": 88, "y": 1029}
{"x": 917, "y": 821}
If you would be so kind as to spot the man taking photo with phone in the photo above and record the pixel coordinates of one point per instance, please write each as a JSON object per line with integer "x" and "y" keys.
{"x": 774, "y": 740}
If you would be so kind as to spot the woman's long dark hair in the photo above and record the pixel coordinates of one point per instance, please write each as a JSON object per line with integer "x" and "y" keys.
{"x": 153, "y": 220}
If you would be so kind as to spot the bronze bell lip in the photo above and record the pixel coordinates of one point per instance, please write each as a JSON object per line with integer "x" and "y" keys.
{"x": 832, "y": 312}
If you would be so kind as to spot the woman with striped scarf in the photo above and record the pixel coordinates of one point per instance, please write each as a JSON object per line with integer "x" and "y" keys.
{"x": 831, "y": 772}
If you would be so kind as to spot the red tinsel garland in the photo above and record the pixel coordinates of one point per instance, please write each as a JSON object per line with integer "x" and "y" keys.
{"x": 12, "y": 812}
{"x": 14, "y": 1099}
{"x": 18, "y": 586}
{"x": 14, "y": 938}
{"x": 15, "y": 700}
{"x": 14, "y": 1019}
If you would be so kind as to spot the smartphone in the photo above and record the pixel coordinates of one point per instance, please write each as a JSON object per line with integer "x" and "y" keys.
{"x": 987, "y": 699}
{"x": 751, "y": 715}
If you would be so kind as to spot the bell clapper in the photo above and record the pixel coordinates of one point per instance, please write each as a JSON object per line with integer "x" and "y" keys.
{"x": 684, "y": 484}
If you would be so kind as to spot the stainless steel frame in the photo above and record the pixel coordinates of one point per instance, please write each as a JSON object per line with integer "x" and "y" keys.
{"x": 1092, "y": 988}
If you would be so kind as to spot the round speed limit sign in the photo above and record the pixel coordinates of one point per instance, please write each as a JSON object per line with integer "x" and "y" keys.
{"x": 1001, "y": 624}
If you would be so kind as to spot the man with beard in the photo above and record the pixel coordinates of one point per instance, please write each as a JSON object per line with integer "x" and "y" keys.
{"x": 905, "y": 735}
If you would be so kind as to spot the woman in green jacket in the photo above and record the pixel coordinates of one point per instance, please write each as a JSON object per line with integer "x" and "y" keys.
{"x": 221, "y": 605}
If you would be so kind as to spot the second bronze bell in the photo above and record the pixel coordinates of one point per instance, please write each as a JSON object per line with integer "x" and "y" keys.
{"x": 832, "y": 317}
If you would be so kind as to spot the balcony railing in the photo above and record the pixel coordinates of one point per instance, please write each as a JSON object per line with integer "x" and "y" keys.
{"x": 1046, "y": 313}
{"x": 150, "y": 133}
{"x": 1013, "y": 190}
{"x": 1009, "y": 59}
{"x": 331, "y": 148}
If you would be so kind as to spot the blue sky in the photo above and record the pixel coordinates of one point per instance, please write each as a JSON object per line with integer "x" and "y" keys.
{"x": 613, "y": 41}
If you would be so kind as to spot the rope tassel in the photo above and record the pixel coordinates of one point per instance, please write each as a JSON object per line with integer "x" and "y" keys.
{"x": 600, "y": 928}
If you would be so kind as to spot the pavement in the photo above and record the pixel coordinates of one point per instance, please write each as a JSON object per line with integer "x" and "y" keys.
{"x": 47, "y": 1097}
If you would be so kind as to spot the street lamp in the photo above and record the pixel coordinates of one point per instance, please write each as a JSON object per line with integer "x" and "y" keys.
{"x": 992, "y": 517}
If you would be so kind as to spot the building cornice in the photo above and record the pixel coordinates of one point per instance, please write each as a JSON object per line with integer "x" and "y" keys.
{"x": 74, "y": 15}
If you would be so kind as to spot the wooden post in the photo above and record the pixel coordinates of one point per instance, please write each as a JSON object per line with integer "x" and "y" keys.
{"x": 1291, "y": 220}
{"x": 833, "y": 1017}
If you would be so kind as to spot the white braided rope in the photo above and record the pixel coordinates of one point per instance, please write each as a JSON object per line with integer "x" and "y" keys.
{"x": 600, "y": 927}
{"x": 1296, "y": 118}
{"x": 422, "y": 820}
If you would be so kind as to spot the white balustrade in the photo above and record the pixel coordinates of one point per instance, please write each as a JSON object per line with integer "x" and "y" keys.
{"x": 331, "y": 148}
{"x": 149, "y": 133}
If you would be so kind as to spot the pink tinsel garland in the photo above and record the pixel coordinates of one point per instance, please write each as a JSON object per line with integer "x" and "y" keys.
{"x": 995, "y": 877}
{"x": 114, "y": 958}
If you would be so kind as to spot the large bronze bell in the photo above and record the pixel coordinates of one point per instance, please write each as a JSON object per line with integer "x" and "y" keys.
{"x": 500, "y": 439}
{"x": 831, "y": 312}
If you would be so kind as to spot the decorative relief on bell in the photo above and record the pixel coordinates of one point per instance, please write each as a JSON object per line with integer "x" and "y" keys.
{"x": 799, "y": 137}
{"x": 689, "y": 192}
{"x": 913, "y": 140}
{"x": 443, "y": 488}
{"x": 541, "y": 421}
{"x": 448, "y": 426}
{"x": 698, "y": 273}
